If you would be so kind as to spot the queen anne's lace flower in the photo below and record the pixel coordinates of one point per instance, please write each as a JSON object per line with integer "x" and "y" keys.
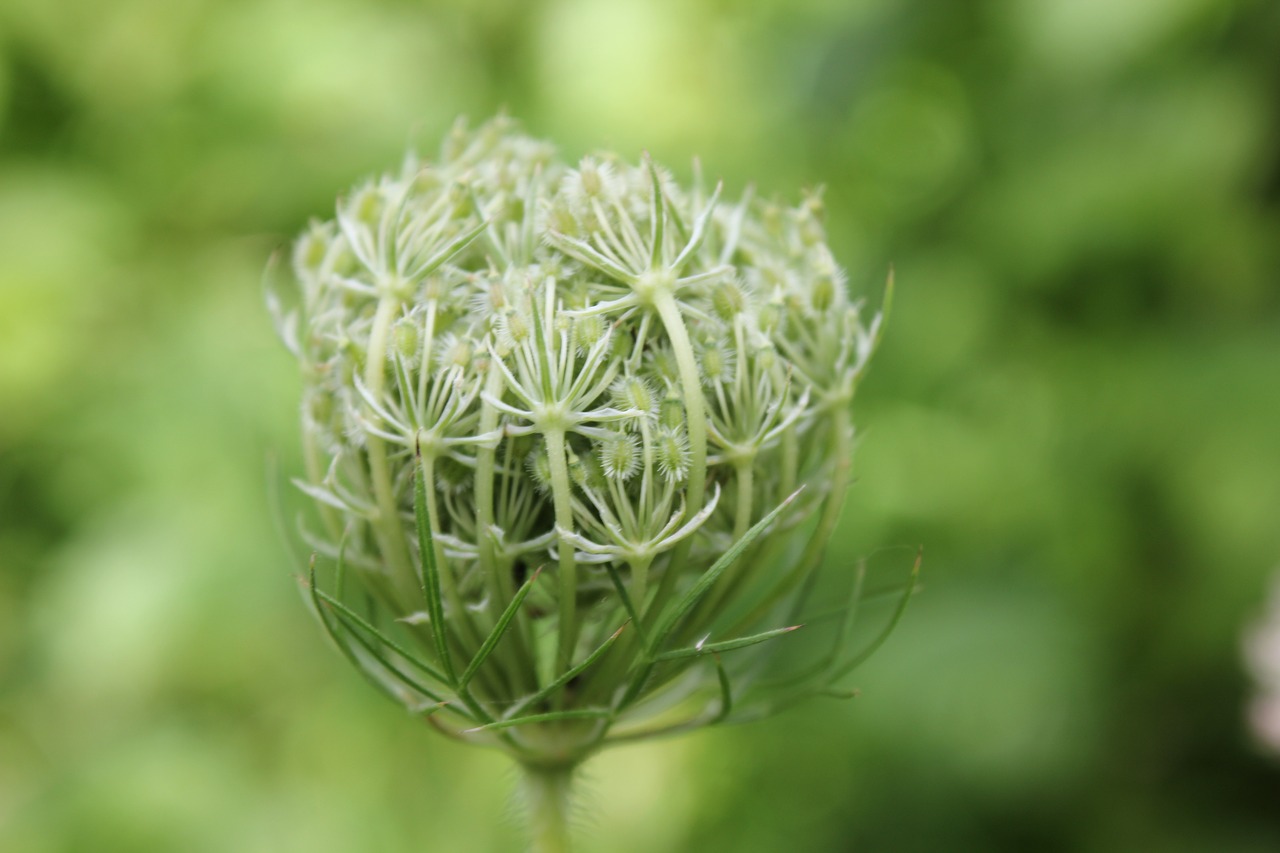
{"x": 563, "y": 428}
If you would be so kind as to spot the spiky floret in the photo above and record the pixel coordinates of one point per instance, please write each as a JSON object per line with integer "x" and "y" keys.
{"x": 546, "y": 411}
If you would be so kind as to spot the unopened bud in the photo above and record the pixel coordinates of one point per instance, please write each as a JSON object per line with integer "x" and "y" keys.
{"x": 619, "y": 455}
{"x": 671, "y": 451}
{"x": 406, "y": 337}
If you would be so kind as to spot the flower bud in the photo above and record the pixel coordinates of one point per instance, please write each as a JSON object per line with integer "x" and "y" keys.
{"x": 585, "y": 471}
{"x": 366, "y": 206}
{"x": 672, "y": 453}
{"x": 310, "y": 251}
{"x": 671, "y": 415}
{"x": 539, "y": 465}
{"x": 619, "y": 455}
{"x": 634, "y": 392}
{"x": 514, "y": 327}
{"x": 592, "y": 178}
{"x": 456, "y": 352}
{"x": 717, "y": 362}
{"x": 504, "y": 372}
{"x": 587, "y": 331}
{"x": 405, "y": 334}
{"x": 728, "y": 300}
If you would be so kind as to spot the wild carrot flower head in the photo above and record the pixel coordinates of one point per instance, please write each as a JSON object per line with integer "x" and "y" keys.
{"x": 576, "y": 436}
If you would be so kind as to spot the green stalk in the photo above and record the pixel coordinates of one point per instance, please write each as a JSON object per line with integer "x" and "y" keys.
{"x": 519, "y": 661}
{"x": 467, "y": 631}
{"x": 500, "y": 588}
{"x": 696, "y": 424}
{"x": 387, "y": 524}
{"x": 691, "y": 388}
{"x": 833, "y": 505}
{"x": 546, "y": 791}
{"x": 746, "y": 491}
{"x": 613, "y": 668}
{"x": 561, "y": 495}
{"x": 640, "y": 579}
{"x": 708, "y": 607}
{"x": 842, "y": 453}
{"x": 790, "y": 460}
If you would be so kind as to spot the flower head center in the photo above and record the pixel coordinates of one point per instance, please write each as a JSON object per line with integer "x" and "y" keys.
{"x": 653, "y": 284}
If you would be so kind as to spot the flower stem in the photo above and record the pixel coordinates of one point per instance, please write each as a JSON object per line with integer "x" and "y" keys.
{"x": 691, "y": 390}
{"x": 498, "y": 579}
{"x": 387, "y": 526}
{"x": 561, "y": 495}
{"x": 546, "y": 792}
{"x": 696, "y": 425}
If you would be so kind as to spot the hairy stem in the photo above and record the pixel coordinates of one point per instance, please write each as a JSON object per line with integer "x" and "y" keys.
{"x": 547, "y": 798}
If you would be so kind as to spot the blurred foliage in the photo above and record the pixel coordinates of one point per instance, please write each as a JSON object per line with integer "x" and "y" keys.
{"x": 1075, "y": 411}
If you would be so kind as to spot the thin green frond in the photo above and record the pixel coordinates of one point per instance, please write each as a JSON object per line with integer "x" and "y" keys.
{"x": 549, "y": 717}
{"x": 851, "y": 664}
{"x": 672, "y": 616}
{"x": 499, "y": 629}
{"x": 429, "y": 576}
{"x": 568, "y": 676}
{"x": 724, "y": 646}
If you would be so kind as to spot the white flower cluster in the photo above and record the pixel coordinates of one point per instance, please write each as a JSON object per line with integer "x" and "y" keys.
{"x": 592, "y": 370}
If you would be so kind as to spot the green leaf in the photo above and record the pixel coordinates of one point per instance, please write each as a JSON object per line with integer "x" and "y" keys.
{"x": 322, "y": 615}
{"x": 491, "y": 234}
{"x": 856, "y": 598}
{"x": 726, "y": 694}
{"x": 849, "y": 665}
{"x": 354, "y": 619}
{"x": 894, "y": 590}
{"x": 402, "y": 375}
{"x": 721, "y": 714}
{"x": 550, "y": 717}
{"x": 658, "y": 215}
{"x": 276, "y": 501}
{"x": 429, "y": 576}
{"x": 847, "y": 615}
{"x": 569, "y": 675}
{"x": 724, "y": 646}
{"x": 457, "y": 245}
{"x": 584, "y": 253}
{"x": 672, "y": 616}
{"x": 342, "y": 640}
{"x": 699, "y": 230}
{"x": 431, "y": 711}
{"x": 491, "y": 641}
{"x": 625, "y": 596}
{"x": 387, "y": 664}
{"x": 528, "y": 239}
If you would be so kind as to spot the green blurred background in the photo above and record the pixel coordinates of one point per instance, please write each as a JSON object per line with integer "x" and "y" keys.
{"x": 1076, "y": 411}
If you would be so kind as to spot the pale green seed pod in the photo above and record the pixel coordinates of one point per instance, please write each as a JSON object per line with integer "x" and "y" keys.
{"x": 619, "y": 454}
{"x": 568, "y": 430}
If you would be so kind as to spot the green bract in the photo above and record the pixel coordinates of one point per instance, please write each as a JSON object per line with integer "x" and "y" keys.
{"x": 565, "y": 428}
